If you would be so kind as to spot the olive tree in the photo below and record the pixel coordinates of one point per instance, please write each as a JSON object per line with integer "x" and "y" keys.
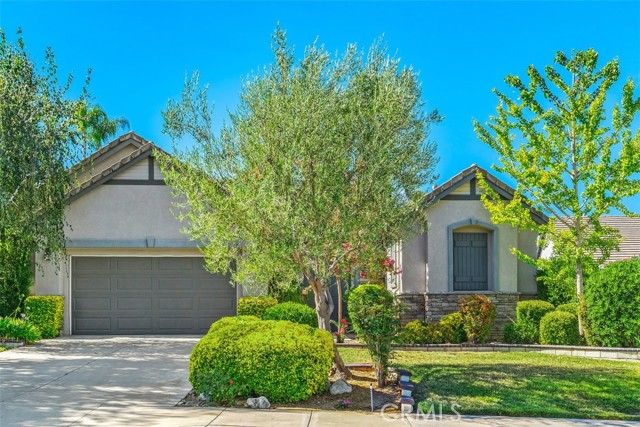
{"x": 323, "y": 160}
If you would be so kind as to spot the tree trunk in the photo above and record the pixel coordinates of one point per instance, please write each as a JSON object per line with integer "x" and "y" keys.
{"x": 324, "y": 308}
{"x": 579, "y": 287}
{"x": 339, "y": 285}
{"x": 380, "y": 376}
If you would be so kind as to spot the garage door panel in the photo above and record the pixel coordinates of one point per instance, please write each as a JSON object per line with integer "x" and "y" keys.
{"x": 115, "y": 295}
{"x": 92, "y": 284}
{"x": 93, "y": 325}
{"x": 175, "y": 284}
{"x": 98, "y": 303}
{"x": 175, "y": 303}
{"x": 176, "y": 264}
{"x": 134, "y": 284}
{"x": 134, "y": 264}
{"x": 134, "y": 303}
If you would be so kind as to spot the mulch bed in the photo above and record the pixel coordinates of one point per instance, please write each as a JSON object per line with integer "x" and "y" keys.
{"x": 360, "y": 397}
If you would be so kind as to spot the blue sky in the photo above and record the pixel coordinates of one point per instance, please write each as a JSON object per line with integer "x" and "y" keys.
{"x": 140, "y": 51}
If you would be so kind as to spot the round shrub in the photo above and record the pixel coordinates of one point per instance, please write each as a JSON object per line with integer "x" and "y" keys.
{"x": 559, "y": 328}
{"x": 294, "y": 312}
{"x": 45, "y": 312}
{"x": 418, "y": 332}
{"x": 283, "y": 361}
{"x": 375, "y": 315}
{"x": 18, "y": 330}
{"x": 571, "y": 307}
{"x": 255, "y": 306}
{"x": 521, "y": 333}
{"x": 452, "y": 327}
{"x": 612, "y": 305}
{"x": 478, "y": 314}
{"x": 532, "y": 311}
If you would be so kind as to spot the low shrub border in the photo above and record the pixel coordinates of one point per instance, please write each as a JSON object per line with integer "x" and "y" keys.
{"x": 618, "y": 353}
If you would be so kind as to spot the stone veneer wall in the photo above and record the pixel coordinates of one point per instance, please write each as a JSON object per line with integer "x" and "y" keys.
{"x": 432, "y": 306}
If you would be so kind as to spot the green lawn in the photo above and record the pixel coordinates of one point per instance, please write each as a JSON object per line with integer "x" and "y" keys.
{"x": 521, "y": 384}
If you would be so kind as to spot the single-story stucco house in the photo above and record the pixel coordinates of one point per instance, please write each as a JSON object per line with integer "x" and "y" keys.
{"x": 463, "y": 253}
{"x": 129, "y": 269}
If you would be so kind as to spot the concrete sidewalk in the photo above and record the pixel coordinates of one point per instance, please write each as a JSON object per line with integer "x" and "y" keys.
{"x": 136, "y": 381}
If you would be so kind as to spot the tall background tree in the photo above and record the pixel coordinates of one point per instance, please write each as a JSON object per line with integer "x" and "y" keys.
{"x": 38, "y": 139}
{"x": 571, "y": 155}
{"x": 323, "y": 160}
{"x": 96, "y": 127}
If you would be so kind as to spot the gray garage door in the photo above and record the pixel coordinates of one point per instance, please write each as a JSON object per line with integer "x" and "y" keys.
{"x": 134, "y": 295}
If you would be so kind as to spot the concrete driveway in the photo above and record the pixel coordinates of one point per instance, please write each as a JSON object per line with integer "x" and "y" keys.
{"x": 136, "y": 381}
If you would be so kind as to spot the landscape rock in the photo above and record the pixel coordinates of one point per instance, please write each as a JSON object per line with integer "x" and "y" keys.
{"x": 258, "y": 403}
{"x": 340, "y": 387}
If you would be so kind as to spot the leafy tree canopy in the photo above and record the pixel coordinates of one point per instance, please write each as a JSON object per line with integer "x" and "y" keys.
{"x": 572, "y": 154}
{"x": 323, "y": 160}
{"x": 38, "y": 140}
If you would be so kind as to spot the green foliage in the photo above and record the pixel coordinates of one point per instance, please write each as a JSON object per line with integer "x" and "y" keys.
{"x": 449, "y": 330}
{"x": 323, "y": 159}
{"x": 571, "y": 307}
{"x": 294, "y": 312}
{"x": 612, "y": 303}
{"x": 95, "y": 126}
{"x": 521, "y": 333}
{"x": 46, "y": 313}
{"x": 478, "y": 314}
{"x": 559, "y": 328}
{"x": 288, "y": 292}
{"x": 19, "y": 330}
{"x": 15, "y": 279}
{"x": 452, "y": 326}
{"x": 255, "y": 306}
{"x": 219, "y": 388}
{"x": 572, "y": 156}
{"x": 532, "y": 311}
{"x": 283, "y": 361}
{"x": 37, "y": 144}
{"x": 557, "y": 287}
{"x": 375, "y": 315}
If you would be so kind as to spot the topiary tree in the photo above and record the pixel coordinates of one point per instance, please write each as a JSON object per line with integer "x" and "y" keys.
{"x": 612, "y": 301}
{"x": 375, "y": 315}
{"x": 478, "y": 314}
{"x": 532, "y": 311}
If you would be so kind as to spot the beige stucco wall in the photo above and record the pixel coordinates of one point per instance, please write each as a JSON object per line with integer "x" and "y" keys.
{"x": 511, "y": 276}
{"x": 114, "y": 213}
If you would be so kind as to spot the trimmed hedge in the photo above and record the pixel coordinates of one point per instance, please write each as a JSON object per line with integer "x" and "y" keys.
{"x": 449, "y": 330}
{"x": 453, "y": 328}
{"x": 521, "y": 333}
{"x": 478, "y": 314}
{"x": 283, "y": 361}
{"x": 612, "y": 305}
{"x": 294, "y": 312}
{"x": 19, "y": 330}
{"x": 571, "y": 307}
{"x": 255, "y": 306}
{"x": 559, "y": 328}
{"x": 532, "y": 311}
{"x": 45, "y": 312}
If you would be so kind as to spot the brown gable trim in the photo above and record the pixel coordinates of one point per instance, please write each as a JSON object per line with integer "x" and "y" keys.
{"x": 129, "y": 138}
{"x": 146, "y": 151}
{"x": 469, "y": 174}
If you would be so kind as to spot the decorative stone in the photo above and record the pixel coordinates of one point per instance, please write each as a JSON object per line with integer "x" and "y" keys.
{"x": 258, "y": 403}
{"x": 340, "y": 387}
{"x": 202, "y": 396}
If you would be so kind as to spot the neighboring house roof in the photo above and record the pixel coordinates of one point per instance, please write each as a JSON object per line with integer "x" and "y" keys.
{"x": 629, "y": 229}
{"x": 469, "y": 176}
{"x": 144, "y": 149}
